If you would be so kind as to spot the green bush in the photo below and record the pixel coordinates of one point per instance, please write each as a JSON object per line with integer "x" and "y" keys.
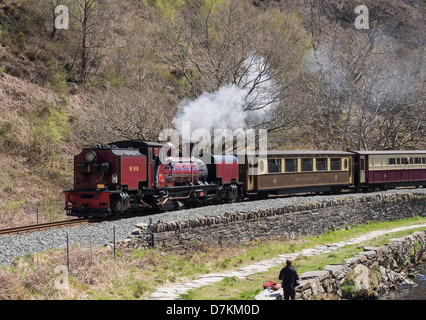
{"x": 50, "y": 209}
{"x": 57, "y": 76}
{"x": 10, "y": 209}
{"x": 348, "y": 291}
{"x": 8, "y": 139}
{"x": 49, "y": 127}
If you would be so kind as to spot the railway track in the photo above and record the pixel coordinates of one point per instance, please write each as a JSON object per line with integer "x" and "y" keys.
{"x": 63, "y": 224}
{"x": 43, "y": 226}
{"x": 81, "y": 221}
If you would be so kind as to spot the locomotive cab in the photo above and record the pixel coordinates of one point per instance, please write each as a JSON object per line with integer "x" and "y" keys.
{"x": 104, "y": 179}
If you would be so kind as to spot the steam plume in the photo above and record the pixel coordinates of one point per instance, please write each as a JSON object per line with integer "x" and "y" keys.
{"x": 232, "y": 106}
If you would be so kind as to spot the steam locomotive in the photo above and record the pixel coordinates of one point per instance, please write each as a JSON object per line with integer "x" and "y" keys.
{"x": 136, "y": 175}
{"x": 125, "y": 175}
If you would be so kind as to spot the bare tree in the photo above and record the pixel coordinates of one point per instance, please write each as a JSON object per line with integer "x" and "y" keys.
{"x": 211, "y": 44}
{"x": 53, "y": 4}
{"x": 126, "y": 114}
{"x": 360, "y": 98}
{"x": 95, "y": 21}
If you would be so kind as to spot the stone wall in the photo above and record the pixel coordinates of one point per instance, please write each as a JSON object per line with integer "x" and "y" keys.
{"x": 368, "y": 274}
{"x": 290, "y": 221}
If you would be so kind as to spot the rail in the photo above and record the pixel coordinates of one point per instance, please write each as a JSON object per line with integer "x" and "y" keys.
{"x": 43, "y": 226}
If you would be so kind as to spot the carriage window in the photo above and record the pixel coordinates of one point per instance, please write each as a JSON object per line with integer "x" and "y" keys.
{"x": 346, "y": 164}
{"x": 411, "y": 160}
{"x": 424, "y": 160}
{"x": 290, "y": 165}
{"x": 417, "y": 160}
{"x": 274, "y": 165}
{"x": 335, "y": 164}
{"x": 307, "y": 164}
{"x": 398, "y": 160}
{"x": 321, "y": 164}
{"x": 391, "y": 161}
{"x": 377, "y": 161}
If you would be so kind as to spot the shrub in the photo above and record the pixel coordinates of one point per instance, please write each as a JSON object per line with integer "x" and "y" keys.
{"x": 348, "y": 291}
{"x": 48, "y": 128}
{"x": 8, "y": 139}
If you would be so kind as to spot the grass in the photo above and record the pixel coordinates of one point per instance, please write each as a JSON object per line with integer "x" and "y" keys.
{"x": 136, "y": 274}
{"x": 18, "y": 204}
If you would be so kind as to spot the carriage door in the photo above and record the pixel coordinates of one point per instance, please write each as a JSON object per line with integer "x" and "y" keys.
{"x": 362, "y": 169}
{"x": 161, "y": 182}
{"x": 251, "y": 173}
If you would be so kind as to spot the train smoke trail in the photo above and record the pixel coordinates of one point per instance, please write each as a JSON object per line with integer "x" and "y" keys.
{"x": 241, "y": 106}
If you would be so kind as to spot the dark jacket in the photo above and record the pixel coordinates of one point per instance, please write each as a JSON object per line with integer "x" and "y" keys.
{"x": 289, "y": 277}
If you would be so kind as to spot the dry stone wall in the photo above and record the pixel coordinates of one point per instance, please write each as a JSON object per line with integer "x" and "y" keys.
{"x": 368, "y": 275}
{"x": 289, "y": 221}
{"x": 372, "y": 272}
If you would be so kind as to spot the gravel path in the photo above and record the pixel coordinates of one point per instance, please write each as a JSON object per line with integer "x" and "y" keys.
{"x": 99, "y": 234}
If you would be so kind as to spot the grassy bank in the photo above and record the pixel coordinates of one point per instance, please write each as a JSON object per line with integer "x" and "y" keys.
{"x": 95, "y": 274}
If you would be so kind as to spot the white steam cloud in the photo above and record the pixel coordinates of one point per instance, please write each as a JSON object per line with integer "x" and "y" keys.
{"x": 232, "y": 106}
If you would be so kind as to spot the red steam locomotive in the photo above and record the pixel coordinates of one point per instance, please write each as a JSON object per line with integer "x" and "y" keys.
{"x": 136, "y": 174}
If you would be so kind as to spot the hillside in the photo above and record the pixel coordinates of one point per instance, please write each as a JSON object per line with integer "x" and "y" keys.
{"x": 129, "y": 69}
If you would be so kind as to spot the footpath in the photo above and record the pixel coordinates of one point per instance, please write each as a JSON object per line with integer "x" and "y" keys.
{"x": 173, "y": 292}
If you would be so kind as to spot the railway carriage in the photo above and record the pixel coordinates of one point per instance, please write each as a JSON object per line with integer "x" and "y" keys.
{"x": 281, "y": 172}
{"x": 389, "y": 169}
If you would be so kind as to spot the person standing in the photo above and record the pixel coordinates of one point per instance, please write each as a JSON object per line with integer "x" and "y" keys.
{"x": 289, "y": 278}
{"x": 156, "y": 166}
